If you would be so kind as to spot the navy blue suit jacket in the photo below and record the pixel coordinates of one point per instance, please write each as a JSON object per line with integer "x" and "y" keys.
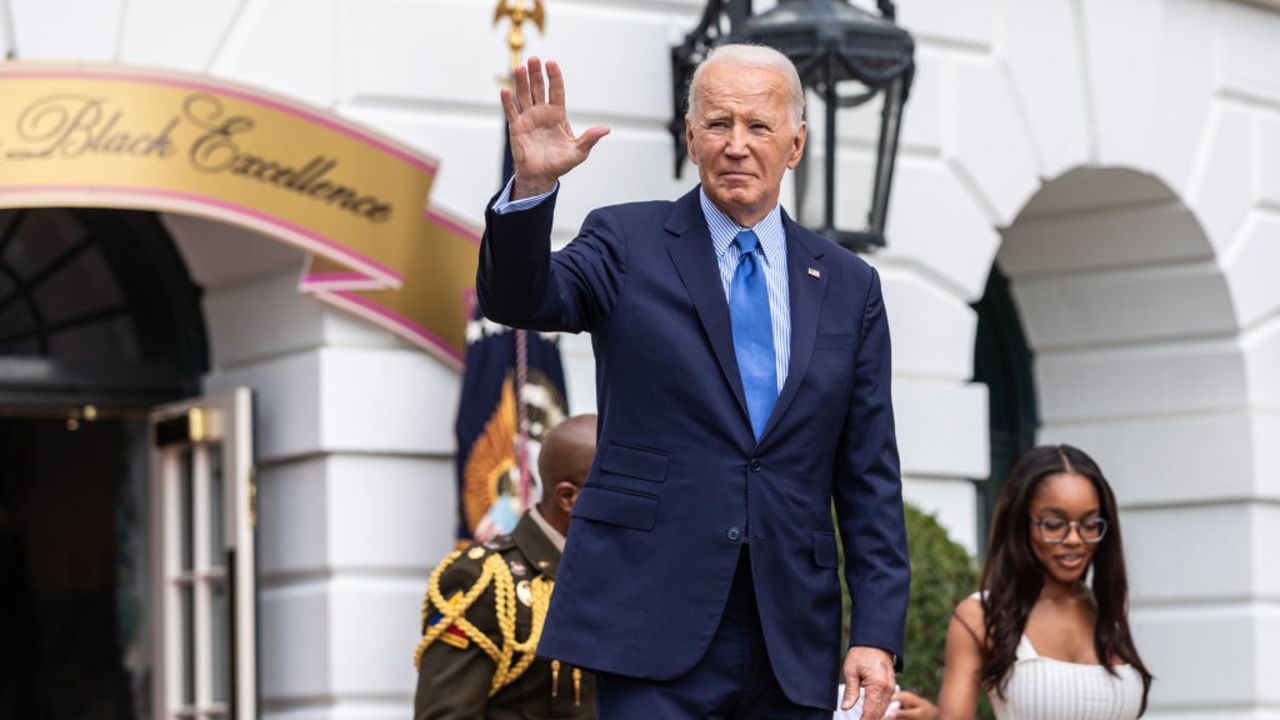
{"x": 679, "y": 481}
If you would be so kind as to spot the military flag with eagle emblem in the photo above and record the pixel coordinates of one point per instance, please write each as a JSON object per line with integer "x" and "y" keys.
{"x": 503, "y": 415}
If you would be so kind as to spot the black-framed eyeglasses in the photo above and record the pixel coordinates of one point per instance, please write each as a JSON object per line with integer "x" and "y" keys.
{"x": 1055, "y": 530}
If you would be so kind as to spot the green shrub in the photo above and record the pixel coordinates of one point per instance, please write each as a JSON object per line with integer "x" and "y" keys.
{"x": 942, "y": 574}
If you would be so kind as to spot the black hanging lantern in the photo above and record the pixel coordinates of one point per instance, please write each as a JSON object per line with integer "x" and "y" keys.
{"x": 832, "y": 43}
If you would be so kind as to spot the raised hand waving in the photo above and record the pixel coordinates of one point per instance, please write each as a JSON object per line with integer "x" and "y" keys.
{"x": 542, "y": 143}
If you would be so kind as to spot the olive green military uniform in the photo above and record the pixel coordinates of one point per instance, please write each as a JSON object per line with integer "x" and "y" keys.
{"x": 481, "y": 621}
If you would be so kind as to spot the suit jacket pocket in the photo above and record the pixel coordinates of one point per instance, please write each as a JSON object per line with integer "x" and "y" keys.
{"x": 833, "y": 342}
{"x": 824, "y": 549}
{"x": 634, "y": 461}
{"x": 616, "y": 507}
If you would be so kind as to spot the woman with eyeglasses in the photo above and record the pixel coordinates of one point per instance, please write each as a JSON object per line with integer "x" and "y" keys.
{"x": 1048, "y": 637}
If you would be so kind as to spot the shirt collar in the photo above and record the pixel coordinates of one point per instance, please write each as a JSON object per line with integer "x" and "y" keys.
{"x": 552, "y": 534}
{"x": 723, "y": 229}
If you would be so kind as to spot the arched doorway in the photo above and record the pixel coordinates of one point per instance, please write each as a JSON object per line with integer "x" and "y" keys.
{"x": 99, "y": 321}
{"x": 96, "y": 308}
{"x": 1138, "y": 357}
{"x": 1102, "y": 272}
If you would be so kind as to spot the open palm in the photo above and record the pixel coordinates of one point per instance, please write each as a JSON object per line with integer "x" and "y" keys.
{"x": 542, "y": 143}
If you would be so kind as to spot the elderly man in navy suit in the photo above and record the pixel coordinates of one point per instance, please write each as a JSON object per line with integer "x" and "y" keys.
{"x": 743, "y": 377}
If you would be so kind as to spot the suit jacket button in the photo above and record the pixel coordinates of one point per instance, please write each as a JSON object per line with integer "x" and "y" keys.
{"x": 755, "y": 465}
{"x": 734, "y": 533}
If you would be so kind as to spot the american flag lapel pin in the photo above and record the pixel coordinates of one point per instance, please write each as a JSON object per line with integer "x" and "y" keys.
{"x": 813, "y": 272}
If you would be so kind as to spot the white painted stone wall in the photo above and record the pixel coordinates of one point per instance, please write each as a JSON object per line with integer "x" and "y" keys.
{"x": 1145, "y": 279}
{"x": 356, "y": 500}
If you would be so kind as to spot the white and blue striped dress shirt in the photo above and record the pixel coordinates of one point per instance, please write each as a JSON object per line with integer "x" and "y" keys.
{"x": 773, "y": 251}
{"x": 773, "y": 248}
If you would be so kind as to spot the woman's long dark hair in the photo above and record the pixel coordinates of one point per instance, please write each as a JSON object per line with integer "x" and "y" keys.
{"x": 1012, "y": 577}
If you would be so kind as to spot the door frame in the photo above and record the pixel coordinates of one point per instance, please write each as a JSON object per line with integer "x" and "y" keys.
{"x": 206, "y": 430}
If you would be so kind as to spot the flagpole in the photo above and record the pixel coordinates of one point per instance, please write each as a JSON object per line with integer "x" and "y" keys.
{"x": 520, "y": 12}
{"x": 10, "y": 33}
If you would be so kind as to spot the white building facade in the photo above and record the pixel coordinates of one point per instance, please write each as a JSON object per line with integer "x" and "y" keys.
{"x": 1117, "y": 160}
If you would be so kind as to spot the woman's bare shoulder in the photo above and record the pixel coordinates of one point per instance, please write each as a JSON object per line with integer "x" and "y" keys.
{"x": 967, "y": 630}
{"x": 969, "y": 611}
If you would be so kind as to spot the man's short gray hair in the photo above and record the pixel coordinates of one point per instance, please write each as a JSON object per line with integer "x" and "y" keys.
{"x": 755, "y": 56}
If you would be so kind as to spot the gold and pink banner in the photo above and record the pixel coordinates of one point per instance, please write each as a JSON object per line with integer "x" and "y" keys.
{"x": 112, "y": 136}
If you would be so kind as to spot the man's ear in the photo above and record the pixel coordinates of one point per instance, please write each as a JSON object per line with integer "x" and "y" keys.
{"x": 688, "y": 140}
{"x": 566, "y": 495}
{"x": 797, "y": 145}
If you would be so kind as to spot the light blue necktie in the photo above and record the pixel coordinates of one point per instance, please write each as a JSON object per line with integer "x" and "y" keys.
{"x": 753, "y": 333}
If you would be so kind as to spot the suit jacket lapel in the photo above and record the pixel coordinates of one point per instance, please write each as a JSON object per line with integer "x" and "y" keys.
{"x": 689, "y": 245}
{"x": 806, "y": 292}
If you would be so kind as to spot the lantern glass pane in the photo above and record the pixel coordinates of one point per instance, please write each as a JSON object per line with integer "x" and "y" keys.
{"x": 891, "y": 125}
{"x": 857, "y": 139}
{"x": 858, "y": 125}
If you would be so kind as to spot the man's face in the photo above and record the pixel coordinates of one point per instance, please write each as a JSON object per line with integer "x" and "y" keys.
{"x": 741, "y": 138}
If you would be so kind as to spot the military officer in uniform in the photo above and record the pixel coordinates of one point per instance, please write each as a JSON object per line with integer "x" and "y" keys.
{"x": 485, "y": 604}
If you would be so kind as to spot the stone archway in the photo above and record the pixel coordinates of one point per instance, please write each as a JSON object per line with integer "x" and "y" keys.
{"x": 1142, "y": 360}
{"x": 1130, "y": 318}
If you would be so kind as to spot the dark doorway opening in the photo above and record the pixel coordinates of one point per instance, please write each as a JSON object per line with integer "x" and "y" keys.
{"x": 99, "y": 321}
{"x": 71, "y": 614}
{"x": 1002, "y": 361}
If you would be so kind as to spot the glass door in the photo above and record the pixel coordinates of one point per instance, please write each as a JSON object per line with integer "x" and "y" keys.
{"x": 204, "y": 523}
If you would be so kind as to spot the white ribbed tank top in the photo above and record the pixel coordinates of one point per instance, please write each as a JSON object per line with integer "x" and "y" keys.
{"x": 1046, "y": 689}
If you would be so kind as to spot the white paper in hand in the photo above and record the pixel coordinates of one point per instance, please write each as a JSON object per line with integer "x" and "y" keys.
{"x": 855, "y": 712}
